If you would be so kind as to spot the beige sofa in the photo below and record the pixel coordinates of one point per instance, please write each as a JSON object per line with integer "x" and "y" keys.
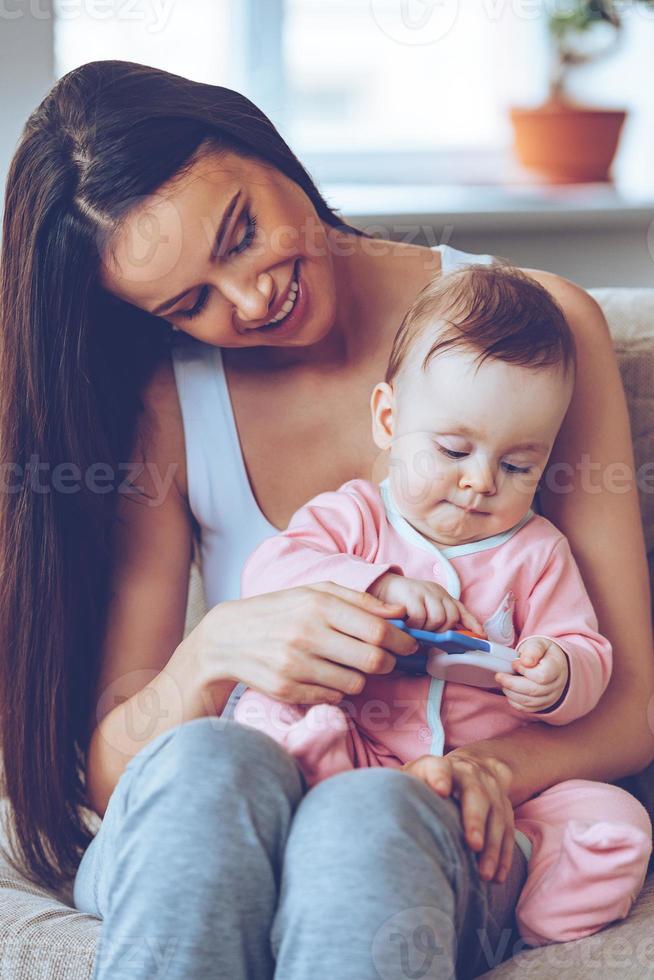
{"x": 42, "y": 936}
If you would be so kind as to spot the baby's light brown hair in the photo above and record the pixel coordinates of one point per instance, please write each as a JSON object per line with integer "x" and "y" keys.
{"x": 496, "y": 311}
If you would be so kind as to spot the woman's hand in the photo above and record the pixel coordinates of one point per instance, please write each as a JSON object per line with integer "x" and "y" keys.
{"x": 303, "y": 645}
{"x": 480, "y": 784}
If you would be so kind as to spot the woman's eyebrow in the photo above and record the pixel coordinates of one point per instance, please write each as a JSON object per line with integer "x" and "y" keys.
{"x": 215, "y": 248}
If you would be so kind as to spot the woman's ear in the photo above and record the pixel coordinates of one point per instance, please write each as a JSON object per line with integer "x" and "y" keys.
{"x": 382, "y": 407}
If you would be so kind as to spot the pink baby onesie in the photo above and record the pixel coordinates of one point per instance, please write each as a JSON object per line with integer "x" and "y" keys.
{"x": 587, "y": 843}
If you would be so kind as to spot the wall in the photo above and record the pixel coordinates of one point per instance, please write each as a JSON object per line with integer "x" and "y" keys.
{"x": 26, "y": 68}
{"x": 590, "y": 257}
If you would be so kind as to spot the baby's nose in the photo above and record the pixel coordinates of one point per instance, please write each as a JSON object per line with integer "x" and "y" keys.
{"x": 479, "y": 476}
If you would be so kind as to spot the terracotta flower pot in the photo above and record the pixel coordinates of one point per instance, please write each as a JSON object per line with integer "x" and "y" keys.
{"x": 567, "y": 143}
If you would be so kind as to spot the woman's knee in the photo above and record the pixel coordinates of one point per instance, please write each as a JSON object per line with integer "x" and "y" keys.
{"x": 211, "y": 755}
{"x": 376, "y": 803}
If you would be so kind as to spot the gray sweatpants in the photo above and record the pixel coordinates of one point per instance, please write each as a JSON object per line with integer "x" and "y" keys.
{"x": 212, "y": 861}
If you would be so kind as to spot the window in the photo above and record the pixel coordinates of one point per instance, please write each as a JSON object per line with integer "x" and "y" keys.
{"x": 409, "y": 89}
{"x": 360, "y": 79}
{"x": 190, "y": 38}
{"x": 386, "y": 90}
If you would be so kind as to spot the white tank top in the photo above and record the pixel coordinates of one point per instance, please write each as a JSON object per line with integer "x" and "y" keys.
{"x": 220, "y": 496}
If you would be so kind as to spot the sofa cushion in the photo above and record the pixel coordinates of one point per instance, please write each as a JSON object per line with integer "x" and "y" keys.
{"x": 630, "y": 315}
{"x": 625, "y": 951}
{"x": 42, "y": 936}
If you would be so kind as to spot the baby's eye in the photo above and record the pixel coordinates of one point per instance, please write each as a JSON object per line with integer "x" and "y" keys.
{"x": 452, "y": 453}
{"x": 512, "y": 468}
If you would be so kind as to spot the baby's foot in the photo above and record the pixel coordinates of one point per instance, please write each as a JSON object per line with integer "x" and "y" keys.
{"x": 594, "y": 879}
{"x": 321, "y": 742}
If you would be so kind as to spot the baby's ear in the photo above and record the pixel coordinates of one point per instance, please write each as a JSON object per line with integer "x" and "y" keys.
{"x": 382, "y": 407}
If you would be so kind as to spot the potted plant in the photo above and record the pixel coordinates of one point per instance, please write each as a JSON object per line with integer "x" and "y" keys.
{"x": 561, "y": 140}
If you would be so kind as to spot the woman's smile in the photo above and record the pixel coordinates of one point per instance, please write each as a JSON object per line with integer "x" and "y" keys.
{"x": 292, "y": 313}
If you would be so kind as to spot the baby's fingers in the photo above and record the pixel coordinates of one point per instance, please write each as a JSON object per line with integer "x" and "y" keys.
{"x": 417, "y": 613}
{"x": 468, "y": 620}
{"x": 550, "y": 669}
{"x": 515, "y": 684}
{"x": 524, "y": 703}
{"x": 436, "y": 615}
{"x": 531, "y": 651}
{"x": 543, "y": 673}
{"x": 451, "y": 612}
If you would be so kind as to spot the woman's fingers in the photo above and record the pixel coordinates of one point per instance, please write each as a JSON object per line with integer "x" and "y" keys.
{"x": 289, "y": 644}
{"x": 508, "y": 846}
{"x": 347, "y": 653}
{"x": 295, "y": 690}
{"x": 348, "y": 680}
{"x": 371, "y": 629}
{"x": 432, "y": 770}
{"x": 486, "y": 812}
{"x": 299, "y": 693}
{"x": 498, "y": 824}
{"x": 392, "y": 610}
{"x": 334, "y": 642}
{"x": 314, "y": 694}
{"x": 475, "y": 806}
{"x": 443, "y": 775}
{"x": 487, "y": 817}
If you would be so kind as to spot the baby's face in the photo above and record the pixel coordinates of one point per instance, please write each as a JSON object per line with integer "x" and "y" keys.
{"x": 468, "y": 444}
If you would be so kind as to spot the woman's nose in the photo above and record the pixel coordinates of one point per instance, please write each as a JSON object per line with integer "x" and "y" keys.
{"x": 251, "y": 299}
{"x": 477, "y": 474}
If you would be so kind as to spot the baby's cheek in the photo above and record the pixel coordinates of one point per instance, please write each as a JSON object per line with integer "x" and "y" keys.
{"x": 521, "y": 488}
{"x": 417, "y": 484}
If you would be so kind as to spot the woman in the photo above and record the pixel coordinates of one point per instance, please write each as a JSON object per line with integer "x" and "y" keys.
{"x": 145, "y": 213}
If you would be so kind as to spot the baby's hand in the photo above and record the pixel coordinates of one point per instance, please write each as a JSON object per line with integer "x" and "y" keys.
{"x": 429, "y": 606}
{"x": 544, "y": 671}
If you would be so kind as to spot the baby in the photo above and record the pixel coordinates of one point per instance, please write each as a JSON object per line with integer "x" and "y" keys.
{"x": 479, "y": 380}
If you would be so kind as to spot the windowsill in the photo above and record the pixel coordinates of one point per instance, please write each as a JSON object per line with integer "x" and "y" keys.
{"x": 533, "y": 206}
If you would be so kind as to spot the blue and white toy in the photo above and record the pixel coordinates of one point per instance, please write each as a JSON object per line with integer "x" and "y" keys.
{"x": 456, "y": 656}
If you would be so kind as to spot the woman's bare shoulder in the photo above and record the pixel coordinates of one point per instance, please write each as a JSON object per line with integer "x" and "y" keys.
{"x": 582, "y": 311}
{"x": 161, "y": 430}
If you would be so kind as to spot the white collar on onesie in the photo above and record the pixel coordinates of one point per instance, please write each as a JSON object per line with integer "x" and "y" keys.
{"x": 409, "y": 533}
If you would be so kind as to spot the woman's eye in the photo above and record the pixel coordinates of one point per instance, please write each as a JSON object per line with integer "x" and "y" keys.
{"x": 245, "y": 242}
{"x": 248, "y": 236}
{"x": 199, "y": 306}
{"x": 452, "y": 453}
{"x": 512, "y": 468}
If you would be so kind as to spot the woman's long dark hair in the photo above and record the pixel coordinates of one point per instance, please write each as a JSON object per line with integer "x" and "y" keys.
{"x": 73, "y": 363}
